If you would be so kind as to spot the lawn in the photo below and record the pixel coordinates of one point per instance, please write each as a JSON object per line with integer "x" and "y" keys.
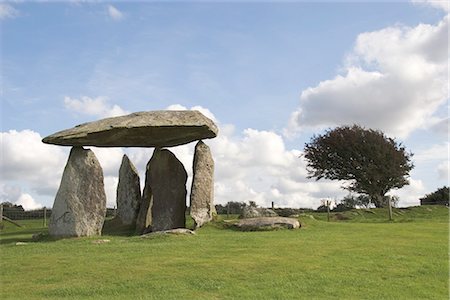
{"x": 363, "y": 257}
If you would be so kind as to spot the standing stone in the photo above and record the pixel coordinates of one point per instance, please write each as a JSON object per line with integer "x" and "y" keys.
{"x": 128, "y": 192}
{"x": 80, "y": 203}
{"x": 144, "y": 219}
{"x": 202, "y": 191}
{"x": 166, "y": 187}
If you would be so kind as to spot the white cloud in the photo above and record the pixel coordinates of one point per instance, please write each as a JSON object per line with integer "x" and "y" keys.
{"x": 27, "y": 202}
{"x": 7, "y": 11}
{"x": 98, "y": 106}
{"x": 437, "y": 152}
{"x": 201, "y": 109}
{"x": 439, "y": 4}
{"x": 395, "y": 79}
{"x": 443, "y": 169}
{"x": 26, "y": 158}
{"x": 114, "y": 13}
{"x": 410, "y": 194}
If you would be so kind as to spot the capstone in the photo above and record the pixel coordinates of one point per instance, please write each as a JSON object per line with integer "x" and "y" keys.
{"x": 140, "y": 129}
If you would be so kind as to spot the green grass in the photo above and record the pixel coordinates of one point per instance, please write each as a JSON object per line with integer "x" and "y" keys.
{"x": 360, "y": 258}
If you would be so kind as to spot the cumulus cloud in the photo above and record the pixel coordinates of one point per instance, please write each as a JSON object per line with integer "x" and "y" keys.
{"x": 114, "y": 13}
{"x": 394, "y": 80}
{"x": 15, "y": 195}
{"x": 26, "y": 158}
{"x": 98, "y": 106}
{"x": 439, "y": 4}
{"x": 201, "y": 109}
{"x": 7, "y": 11}
{"x": 410, "y": 194}
{"x": 27, "y": 202}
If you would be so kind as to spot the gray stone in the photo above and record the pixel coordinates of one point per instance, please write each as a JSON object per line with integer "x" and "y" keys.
{"x": 255, "y": 212}
{"x": 80, "y": 204}
{"x": 140, "y": 129}
{"x": 165, "y": 191}
{"x": 144, "y": 219}
{"x": 202, "y": 191}
{"x": 267, "y": 223}
{"x": 177, "y": 231}
{"x": 128, "y": 192}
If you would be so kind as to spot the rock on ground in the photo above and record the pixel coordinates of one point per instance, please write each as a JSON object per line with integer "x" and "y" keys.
{"x": 202, "y": 191}
{"x": 80, "y": 204}
{"x": 267, "y": 223}
{"x": 256, "y": 212}
{"x": 177, "y": 231}
{"x": 140, "y": 129}
{"x": 128, "y": 192}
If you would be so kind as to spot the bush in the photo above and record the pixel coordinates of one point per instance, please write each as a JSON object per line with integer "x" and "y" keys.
{"x": 439, "y": 197}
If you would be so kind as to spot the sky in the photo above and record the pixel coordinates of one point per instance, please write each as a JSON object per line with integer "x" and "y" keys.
{"x": 270, "y": 74}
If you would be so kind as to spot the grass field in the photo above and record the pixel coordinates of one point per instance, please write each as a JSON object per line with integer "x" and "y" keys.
{"x": 363, "y": 257}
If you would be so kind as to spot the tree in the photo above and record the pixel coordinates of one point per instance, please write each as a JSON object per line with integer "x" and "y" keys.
{"x": 370, "y": 162}
{"x": 440, "y": 196}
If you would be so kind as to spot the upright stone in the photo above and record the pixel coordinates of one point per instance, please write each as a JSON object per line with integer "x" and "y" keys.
{"x": 167, "y": 182}
{"x": 202, "y": 191}
{"x": 144, "y": 219}
{"x": 128, "y": 192}
{"x": 80, "y": 203}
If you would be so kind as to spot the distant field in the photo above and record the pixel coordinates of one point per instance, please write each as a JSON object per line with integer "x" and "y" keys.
{"x": 362, "y": 257}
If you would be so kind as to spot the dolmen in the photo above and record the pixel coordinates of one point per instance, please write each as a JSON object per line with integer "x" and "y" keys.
{"x": 80, "y": 203}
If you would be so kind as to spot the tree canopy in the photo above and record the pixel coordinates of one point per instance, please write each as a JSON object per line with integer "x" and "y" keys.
{"x": 371, "y": 162}
{"x": 440, "y": 196}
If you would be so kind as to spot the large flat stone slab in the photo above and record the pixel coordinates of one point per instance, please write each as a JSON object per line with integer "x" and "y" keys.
{"x": 140, "y": 129}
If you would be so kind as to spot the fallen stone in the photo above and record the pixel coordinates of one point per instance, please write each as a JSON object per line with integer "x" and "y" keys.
{"x": 266, "y": 223}
{"x": 256, "y": 212}
{"x": 101, "y": 241}
{"x": 128, "y": 192}
{"x": 21, "y": 243}
{"x": 37, "y": 236}
{"x": 140, "y": 129}
{"x": 177, "y": 231}
{"x": 80, "y": 204}
{"x": 166, "y": 186}
{"x": 202, "y": 191}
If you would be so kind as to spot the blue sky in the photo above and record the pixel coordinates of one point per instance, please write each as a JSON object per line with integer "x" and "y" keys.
{"x": 271, "y": 74}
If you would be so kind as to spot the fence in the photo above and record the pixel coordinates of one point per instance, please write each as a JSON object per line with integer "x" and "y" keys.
{"x": 16, "y": 215}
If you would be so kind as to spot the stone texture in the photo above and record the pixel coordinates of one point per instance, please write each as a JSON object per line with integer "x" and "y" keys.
{"x": 144, "y": 219}
{"x": 202, "y": 191}
{"x": 128, "y": 192}
{"x": 165, "y": 191}
{"x": 256, "y": 212}
{"x": 267, "y": 223}
{"x": 177, "y": 231}
{"x": 140, "y": 129}
{"x": 80, "y": 204}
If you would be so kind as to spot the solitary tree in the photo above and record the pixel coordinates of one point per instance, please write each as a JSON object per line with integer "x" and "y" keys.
{"x": 372, "y": 163}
